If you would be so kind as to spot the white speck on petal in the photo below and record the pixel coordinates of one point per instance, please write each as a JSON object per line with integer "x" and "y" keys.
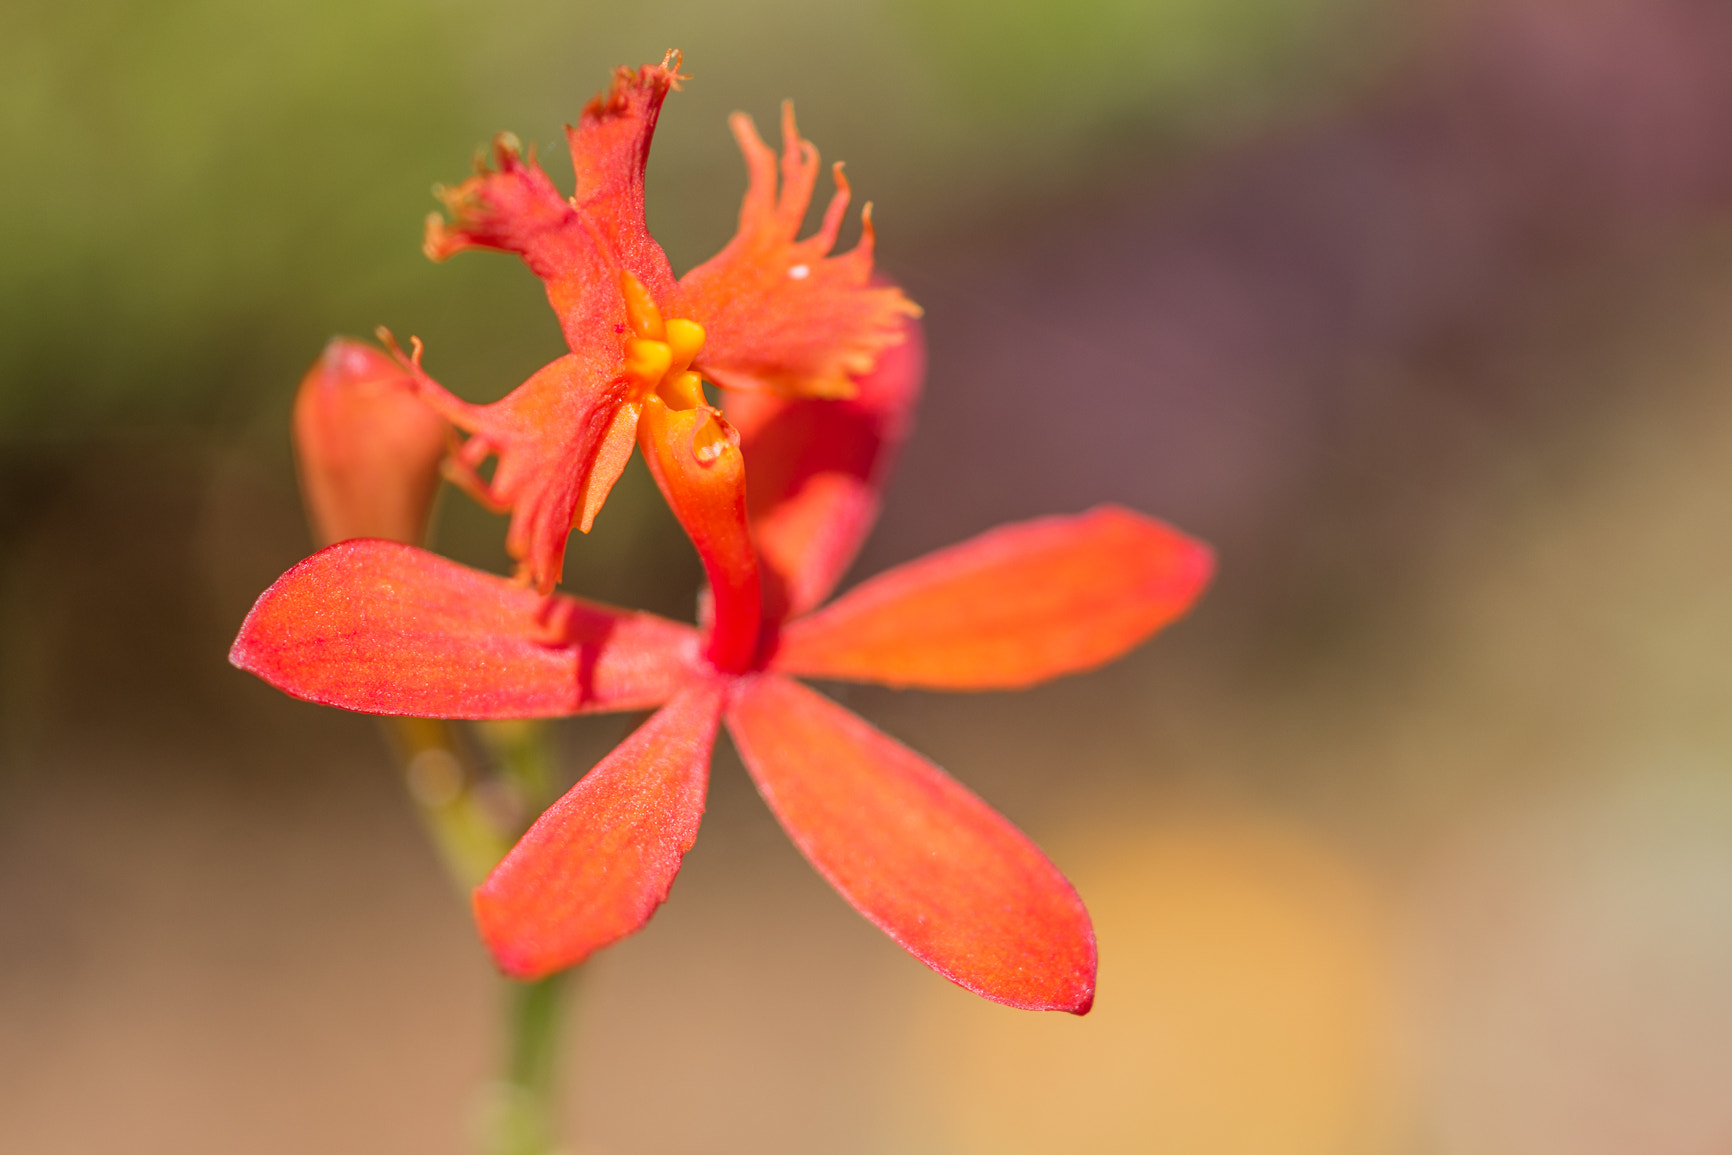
{"x": 800, "y": 272}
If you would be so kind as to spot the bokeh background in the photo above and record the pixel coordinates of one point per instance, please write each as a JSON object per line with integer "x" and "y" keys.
{"x": 1415, "y": 838}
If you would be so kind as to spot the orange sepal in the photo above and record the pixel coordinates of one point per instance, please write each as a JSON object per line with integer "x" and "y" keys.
{"x": 937, "y": 869}
{"x": 695, "y": 458}
{"x": 385, "y": 628}
{"x": 782, "y": 314}
{"x": 598, "y": 862}
{"x": 367, "y": 447}
{"x": 1015, "y": 606}
{"x": 814, "y": 470}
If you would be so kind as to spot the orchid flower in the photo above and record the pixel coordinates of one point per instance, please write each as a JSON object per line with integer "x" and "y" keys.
{"x": 777, "y": 501}
{"x": 769, "y": 313}
{"x": 823, "y": 363}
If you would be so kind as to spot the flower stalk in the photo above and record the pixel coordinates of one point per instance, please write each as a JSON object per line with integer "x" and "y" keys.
{"x": 520, "y": 1116}
{"x": 472, "y": 820}
{"x": 441, "y": 780}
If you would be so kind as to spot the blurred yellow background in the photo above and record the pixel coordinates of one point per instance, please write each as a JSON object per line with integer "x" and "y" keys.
{"x": 1415, "y": 839}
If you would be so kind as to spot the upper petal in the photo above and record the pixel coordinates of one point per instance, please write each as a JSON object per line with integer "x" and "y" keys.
{"x": 368, "y": 448}
{"x": 609, "y": 148}
{"x": 915, "y": 851}
{"x": 386, "y": 628}
{"x": 814, "y": 470}
{"x": 1014, "y": 606}
{"x": 598, "y": 862}
{"x": 576, "y": 246}
{"x": 782, "y": 314}
{"x": 515, "y": 208}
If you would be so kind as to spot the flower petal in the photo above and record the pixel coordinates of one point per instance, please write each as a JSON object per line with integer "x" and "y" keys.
{"x": 576, "y": 247}
{"x": 912, "y": 849}
{"x": 596, "y": 865}
{"x": 515, "y": 208}
{"x": 562, "y": 439}
{"x": 1012, "y": 607}
{"x": 609, "y": 148}
{"x": 781, "y": 314}
{"x": 368, "y": 448}
{"x": 814, "y": 470}
{"x": 386, "y": 628}
{"x": 695, "y": 458}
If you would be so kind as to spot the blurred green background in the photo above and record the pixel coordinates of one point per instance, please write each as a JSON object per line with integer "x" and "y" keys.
{"x": 1416, "y": 837}
{"x": 206, "y": 190}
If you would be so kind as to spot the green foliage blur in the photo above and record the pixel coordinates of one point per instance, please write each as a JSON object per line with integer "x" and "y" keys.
{"x": 202, "y": 192}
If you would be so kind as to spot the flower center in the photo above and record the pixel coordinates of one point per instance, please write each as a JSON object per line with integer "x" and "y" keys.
{"x": 658, "y": 360}
{"x": 658, "y": 355}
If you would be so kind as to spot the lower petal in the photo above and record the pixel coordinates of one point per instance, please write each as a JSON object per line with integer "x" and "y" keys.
{"x": 598, "y": 862}
{"x": 386, "y": 628}
{"x": 1015, "y": 606}
{"x": 915, "y": 851}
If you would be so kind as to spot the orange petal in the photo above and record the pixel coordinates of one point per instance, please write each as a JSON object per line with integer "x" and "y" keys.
{"x": 562, "y": 438}
{"x": 515, "y": 208}
{"x": 937, "y": 869}
{"x": 1012, "y": 607}
{"x": 385, "y": 628}
{"x": 609, "y": 148}
{"x": 814, "y": 470}
{"x": 368, "y": 448}
{"x": 781, "y": 314}
{"x": 596, "y": 865}
{"x": 696, "y": 460}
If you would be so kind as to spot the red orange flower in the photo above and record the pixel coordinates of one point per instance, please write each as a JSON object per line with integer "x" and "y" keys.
{"x": 770, "y": 312}
{"x": 387, "y": 628}
{"x": 825, "y": 364}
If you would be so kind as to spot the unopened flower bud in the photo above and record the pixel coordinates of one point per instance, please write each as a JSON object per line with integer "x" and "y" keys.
{"x": 368, "y": 448}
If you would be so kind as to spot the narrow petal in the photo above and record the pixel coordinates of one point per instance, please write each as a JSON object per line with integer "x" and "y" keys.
{"x": 610, "y": 146}
{"x": 515, "y": 208}
{"x": 695, "y": 457}
{"x": 386, "y": 628}
{"x": 562, "y": 438}
{"x": 782, "y": 314}
{"x": 814, "y": 470}
{"x": 367, "y": 447}
{"x": 596, "y": 865}
{"x": 1015, "y": 606}
{"x": 912, "y": 849}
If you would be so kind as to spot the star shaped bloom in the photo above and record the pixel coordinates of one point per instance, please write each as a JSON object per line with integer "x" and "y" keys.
{"x": 777, "y": 503}
{"x": 769, "y": 313}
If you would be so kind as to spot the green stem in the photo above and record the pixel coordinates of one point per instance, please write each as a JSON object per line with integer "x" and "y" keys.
{"x": 473, "y": 820}
{"x": 445, "y": 788}
{"x": 522, "y": 1117}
